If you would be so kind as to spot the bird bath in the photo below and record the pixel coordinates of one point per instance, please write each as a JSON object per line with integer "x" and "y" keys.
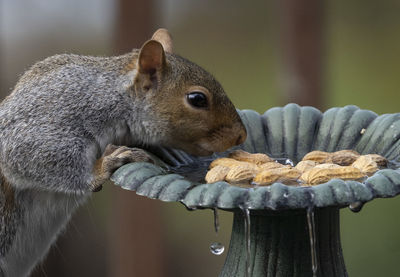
{"x": 281, "y": 230}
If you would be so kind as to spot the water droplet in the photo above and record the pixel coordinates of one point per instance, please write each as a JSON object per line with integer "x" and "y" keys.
{"x": 217, "y": 248}
{"x": 312, "y": 196}
{"x": 216, "y": 220}
{"x": 356, "y": 206}
{"x": 313, "y": 239}
{"x": 289, "y": 162}
{"x": 191, "y": 208}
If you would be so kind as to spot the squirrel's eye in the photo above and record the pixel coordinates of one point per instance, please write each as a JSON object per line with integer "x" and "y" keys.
{"x": 197, "y": 99}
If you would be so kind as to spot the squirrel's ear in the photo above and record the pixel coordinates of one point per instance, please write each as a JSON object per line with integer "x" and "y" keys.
{"x": 151, "y": 57}
{"x": 164, "y": 37}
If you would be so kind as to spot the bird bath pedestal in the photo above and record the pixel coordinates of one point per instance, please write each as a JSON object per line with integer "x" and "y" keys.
{"x": 280, "y": 245}
{"x": 281, "y": 230}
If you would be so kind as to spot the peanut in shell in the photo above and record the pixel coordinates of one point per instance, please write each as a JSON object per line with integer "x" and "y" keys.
{"x": 327, "y": 165}
{"x": 322, "y": 175}
{"x": 227, "y": 162}
{"x": 270, "y": 176}
{"x": 244, "y": 156}
{"x": 271, "y": 165}
{"x": 344, "y": 157}
{"x": 366, "y": 164}
{"x": 217, "y": 173}
{"x": 317, "y": 156}
{"x": 380, "y": 160}
{"x": 305, "y": 165}
{"x": 241, "y": 173}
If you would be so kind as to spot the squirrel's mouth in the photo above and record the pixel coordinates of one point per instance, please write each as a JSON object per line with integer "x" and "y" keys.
{"x": 199, "y": 149}
{"x": 217, "y": 143}
{"x": 220, "y": 140}
{"x": 205, "y": 148}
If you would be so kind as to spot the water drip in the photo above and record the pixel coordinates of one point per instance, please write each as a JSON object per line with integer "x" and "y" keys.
{"x": 289, "y": 162}
{"x": 191, "y": 208}
{"x": 246, "y": 214}
{"x": 312, "y": 235}
{"x": 216, "y": 248}
{"x": 216, "y": 220}
{"x": 356, "y": 206}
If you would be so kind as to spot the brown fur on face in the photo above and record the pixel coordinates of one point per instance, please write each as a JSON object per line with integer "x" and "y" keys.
{"x": 197, "y": 131}
{"x": 161, "y": 84}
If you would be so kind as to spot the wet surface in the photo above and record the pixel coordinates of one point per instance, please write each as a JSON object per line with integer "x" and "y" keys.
{"x": 313, "y": 240}
{"x": 194, "y": 172}
{"x": 216, "y": 248}
{"x": 247, "y": 238}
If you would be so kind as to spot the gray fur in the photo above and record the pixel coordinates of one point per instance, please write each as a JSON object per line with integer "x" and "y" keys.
{"x": 9, "y": 221}
{"x": 58, "y": 120}
{"x": 45, "y": 214}
{"x": 60, "y": 116}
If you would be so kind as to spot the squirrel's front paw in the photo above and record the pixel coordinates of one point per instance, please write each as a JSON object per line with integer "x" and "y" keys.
{"x": 113, "y": 158}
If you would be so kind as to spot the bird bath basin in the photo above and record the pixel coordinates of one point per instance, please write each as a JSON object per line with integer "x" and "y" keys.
{"x": 281, "y": 230}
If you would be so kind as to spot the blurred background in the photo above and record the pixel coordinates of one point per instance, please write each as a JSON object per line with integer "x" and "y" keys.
{"x": 265, "y": 53}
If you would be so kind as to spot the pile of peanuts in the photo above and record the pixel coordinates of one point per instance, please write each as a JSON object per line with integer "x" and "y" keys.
{"x": 243, "y": 168}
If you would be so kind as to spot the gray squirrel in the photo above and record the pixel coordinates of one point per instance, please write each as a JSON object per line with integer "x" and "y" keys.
{"x": 67, "y": 125}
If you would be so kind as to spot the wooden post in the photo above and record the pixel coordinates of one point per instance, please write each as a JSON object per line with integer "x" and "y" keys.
{"x": 136, "y": 242}
{"x": 134, "y": 24}
{"x": 302, "y": 46}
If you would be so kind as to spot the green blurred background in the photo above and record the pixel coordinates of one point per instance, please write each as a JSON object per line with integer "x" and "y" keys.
{"x": 240, "y": 43}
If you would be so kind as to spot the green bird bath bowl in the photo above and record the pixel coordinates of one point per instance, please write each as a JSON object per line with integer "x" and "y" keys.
{"x": 281, "y": 230}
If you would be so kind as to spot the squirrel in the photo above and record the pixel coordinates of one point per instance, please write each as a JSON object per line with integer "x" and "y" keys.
{"x": 72, "y": 120}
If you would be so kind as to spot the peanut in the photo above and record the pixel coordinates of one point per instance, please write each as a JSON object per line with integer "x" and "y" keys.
{"x": 270, "y": 176}
{"x": 366, "y": 164}
{"x": 225, "y": 162}
{"x": 241, "y": 173}
{"x": 322, "y": 175}
{"x": 344, "y": 157}
{"x": 305, "y": 165}
{"x": 316, "y": 156}
{"x": 327, "y": 165}
{"x": 244, "y": 156}
{"x": 271, "y": 165}
{"x": 216, "y": 174}
{"x": 380, "y": 161}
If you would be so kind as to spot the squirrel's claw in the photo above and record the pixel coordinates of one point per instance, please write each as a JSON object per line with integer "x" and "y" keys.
{"x": 113, "y": 158}
{"x": 97, "y": 189}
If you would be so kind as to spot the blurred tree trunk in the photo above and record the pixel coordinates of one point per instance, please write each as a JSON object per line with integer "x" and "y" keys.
{"x": 302, "y": 46}
{"x": 79, "y": 251}
{"x": 136, "y": 241}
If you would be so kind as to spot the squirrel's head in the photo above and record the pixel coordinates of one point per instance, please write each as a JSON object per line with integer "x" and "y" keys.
{"x": 192, "y": 110}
